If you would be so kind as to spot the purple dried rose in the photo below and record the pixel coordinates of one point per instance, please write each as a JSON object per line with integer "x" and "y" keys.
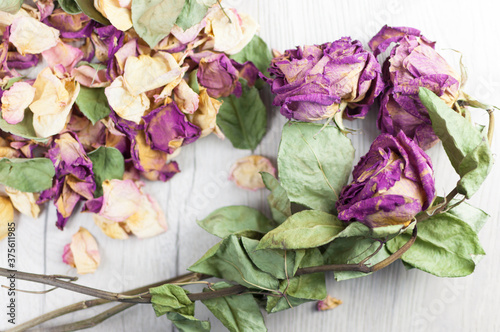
{"x": 311, "y": 82}
{"x": 391, "y": 184}
{"x": 167, "y": 128}
{"x": 217, "y": 73}
{"x": 413, "y": 63}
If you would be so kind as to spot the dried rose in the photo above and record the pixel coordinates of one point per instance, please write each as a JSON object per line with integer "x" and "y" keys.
{"x": 83, "y": 252}
{"x": 391, "y": 184}
{"x": 311, "y": 82}
{"x": 245, "y": 172}
{"x": 413, "y": 63}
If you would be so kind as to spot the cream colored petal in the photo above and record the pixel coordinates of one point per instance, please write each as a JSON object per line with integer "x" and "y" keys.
{"x": 127, "y": 105}
{"x": 32, "y": 36}
{"x": 121, "y": 199}
{"x": 6, "y": 216}
{"x": 24, "y": 202}
{"x": 145, "y": 73}
{"x": 186, "y": 99}
{"x": 85, "y": 252}
{"x": 16, "y": 100}
{"x": 249, "y": 27}
{"x": 110, "y": 228}
{"x": 119, "y": 16}
{"x": 52, "y": 104}
{"x": 246, "y": 172}
{"x": 149, "y": 220}
{"x": 206, "y": 115}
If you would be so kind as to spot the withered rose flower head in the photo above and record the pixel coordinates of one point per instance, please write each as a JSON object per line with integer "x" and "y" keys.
{"x": 391, "y": 184}
{"x": 413, "y": 63}
{"x": 315, "y": 82}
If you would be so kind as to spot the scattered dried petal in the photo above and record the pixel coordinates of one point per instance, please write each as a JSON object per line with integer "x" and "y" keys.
{"x": 15, "y": 101}
{"x": 245, "y": 172}
{"x": 328, "y": 303}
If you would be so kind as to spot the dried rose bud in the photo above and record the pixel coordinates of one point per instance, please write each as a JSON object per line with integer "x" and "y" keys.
{"x": 245, "y": 172}
{"x": 328, "y": 303}
{"x": 391, "y": 184}
{"x": 311, "y": 82}
{"x": 82, "y": 253}
{"x": 413, "y": 63}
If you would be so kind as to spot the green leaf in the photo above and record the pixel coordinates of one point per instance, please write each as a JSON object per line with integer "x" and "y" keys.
{"x": 305, "y": 229}
{"x": 70, "y": 6}
{"x": 476, "y": 218}
{"x": 360, "y": 229}
{"x": 272, "y": 261}
{"x": 466, "y": 147}
{"x": 228, "y": 260}
{"x": 238, "y": 313}
{"x": 171, "y": 298}
{"x": 193, "y": 81}
{"x": 11, "y": 6}
{"x": 27, "y": 175}
{"x": 153, "y": 19}
{"x": 87, "y": 7}
{"x": 11, "y": 82}
{"x": 24, "y": 128}
{"x": 352, "y": 250}
{"x": 193, "y": 12}
{"x": 93, "y": 103}
{"x": 107, "y": 164}
{"x": 238, "y": 220}
{"x": 445, "y": 246}
{"x": 243, "y": 120}
{"x": 314, "y": 164}
{"x": 303, "y": 288}
{"x": 278, "y": 199}
{"x": 187, "y": 323}
{"x": 257, "y": 52}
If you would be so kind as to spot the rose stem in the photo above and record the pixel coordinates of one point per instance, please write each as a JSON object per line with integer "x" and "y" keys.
{"x": 95, "y": 302}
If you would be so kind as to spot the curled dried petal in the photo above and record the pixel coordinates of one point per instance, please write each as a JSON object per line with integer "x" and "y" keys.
{"x": 245, "y": 172}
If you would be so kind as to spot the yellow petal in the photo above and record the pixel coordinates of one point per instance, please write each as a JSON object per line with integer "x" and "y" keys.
{"x": 112, "y": 229}
{"x": 149, "y": 220}
{"x": 32, "y": 36}
{"x": 119, "y": 16}
{"x": 24, "y": 202}
{"x": 206, "y": 115}
{"x": 246, "y": 172}
{"x": 85, "y": 251}
{"x": 6, "y": 216}
{"x": 127, "y": 105}
{"x": 52, "y": 104}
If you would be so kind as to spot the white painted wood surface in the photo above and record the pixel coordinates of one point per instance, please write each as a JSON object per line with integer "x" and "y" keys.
{"x": 390, "y": 300}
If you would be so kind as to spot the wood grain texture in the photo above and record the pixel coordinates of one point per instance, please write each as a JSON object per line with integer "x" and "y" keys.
{"x": 390, "y": 300}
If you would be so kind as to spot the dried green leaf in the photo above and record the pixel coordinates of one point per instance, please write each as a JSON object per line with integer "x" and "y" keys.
{"x": 243, "y": 120}
{"x": 466, "y": 147}
{"x": 278, "y": 199}
{"x": 187, "y": 323}
{"x": 305, "y": 229}
{"x": 238, "y": 313}
{"x": 314, "y": 164}
{"x": 171, "y": 298}
{"x": 69, "y": 6}
{"x": 93, "y": 103}
{"x": 87, "y": 6}
{"x": 153, "y": 19}
{"x": 24, "y": 128}
{"x": 27, "y": 175}
{"x": 107, "y": 164}
{"x": 10, "y": 6}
